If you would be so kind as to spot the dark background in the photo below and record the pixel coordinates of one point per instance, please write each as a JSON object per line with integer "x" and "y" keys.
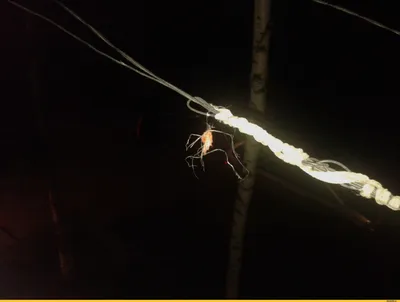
{"x": 136, "y": 221}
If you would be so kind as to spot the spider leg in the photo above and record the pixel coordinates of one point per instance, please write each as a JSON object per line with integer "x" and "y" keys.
{"x": 190, "y": 145}
{"x": 202, "y": 161}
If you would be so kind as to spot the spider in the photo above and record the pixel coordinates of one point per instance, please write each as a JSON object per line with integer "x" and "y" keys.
{"x": 206, "y": 140}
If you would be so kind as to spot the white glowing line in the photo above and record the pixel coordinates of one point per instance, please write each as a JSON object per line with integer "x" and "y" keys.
{"x": 295, "y": 156}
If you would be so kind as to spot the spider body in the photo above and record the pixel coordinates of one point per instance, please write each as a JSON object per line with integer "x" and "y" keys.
{"x": 207, "y": 141}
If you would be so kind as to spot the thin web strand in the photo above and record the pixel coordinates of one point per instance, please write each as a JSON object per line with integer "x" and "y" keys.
{"x": 134, "y": 62}
{"x": 144, "y": 72}
{"x": 349, "y": 12}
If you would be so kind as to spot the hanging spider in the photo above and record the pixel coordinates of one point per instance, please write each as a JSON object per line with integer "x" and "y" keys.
{"x": 206, "y": 140}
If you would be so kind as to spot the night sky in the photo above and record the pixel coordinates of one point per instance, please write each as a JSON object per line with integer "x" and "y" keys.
{"x": 136, "y": 221}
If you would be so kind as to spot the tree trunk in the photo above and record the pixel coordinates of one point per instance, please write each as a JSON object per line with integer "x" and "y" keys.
{"x": 257, "y": 102}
